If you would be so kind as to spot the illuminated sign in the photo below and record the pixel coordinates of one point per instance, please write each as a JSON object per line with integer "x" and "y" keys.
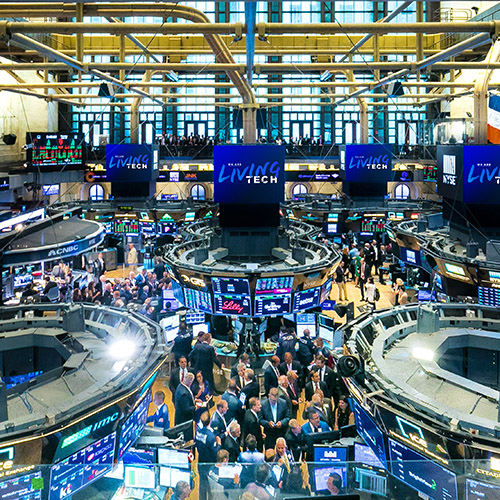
{"x": 455, "y": 271}
{"x": 89, "y": 429}
{"x": 130, "y": 163}
{"x": 450, "y": 170}
{"x": 198, "y": 282}
{"x": 367, "y": 163}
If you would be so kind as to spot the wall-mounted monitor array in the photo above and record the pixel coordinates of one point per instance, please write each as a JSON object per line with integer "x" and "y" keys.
{"x": 47, "y": 151}
{"x": 134, "y": 425}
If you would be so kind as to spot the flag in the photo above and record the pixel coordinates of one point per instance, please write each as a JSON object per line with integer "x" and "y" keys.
{"x": 494, "y": 119}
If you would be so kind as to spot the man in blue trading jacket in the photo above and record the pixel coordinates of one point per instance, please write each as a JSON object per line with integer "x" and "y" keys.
{"x": 207, "y": 448}
{"x": 160, "y": 418}
{"x": 315, "y": 424}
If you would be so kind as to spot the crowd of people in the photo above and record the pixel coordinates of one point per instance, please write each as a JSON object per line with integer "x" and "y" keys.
{"x": 261, "y": 435}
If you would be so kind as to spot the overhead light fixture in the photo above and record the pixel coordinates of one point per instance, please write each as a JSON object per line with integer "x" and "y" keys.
{"x": 326, "y": 75}
{"x": 122, "y": 349}
{"x": 172, "y": 76}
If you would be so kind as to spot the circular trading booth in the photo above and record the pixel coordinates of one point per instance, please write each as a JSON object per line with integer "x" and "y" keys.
{"x": 424, "y": 386}
{"x": 77, "y": 383}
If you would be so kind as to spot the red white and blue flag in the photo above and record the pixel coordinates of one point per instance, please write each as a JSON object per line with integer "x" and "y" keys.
{"x": 494, "y": 119}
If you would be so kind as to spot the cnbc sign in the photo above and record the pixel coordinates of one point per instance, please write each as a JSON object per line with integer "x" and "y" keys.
{"x": 131, "y": 162}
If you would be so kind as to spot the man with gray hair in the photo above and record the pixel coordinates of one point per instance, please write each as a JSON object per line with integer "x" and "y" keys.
{"x": 182, "y": 491}
{"x": 184, "y": 401}
{"x": 231, "y": 441}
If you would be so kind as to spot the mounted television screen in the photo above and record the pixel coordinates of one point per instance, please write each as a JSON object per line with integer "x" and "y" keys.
{"x": 198, "y": 300}
{"x": 192, "y": 318}
{"x": 270, "y": 305}
{"x": 364, "y": 455}
{"x": 306, "y": 321}
{"x": 232, "y": 305}
{"x": 124, "y": 226}
{"x": 477, "y": 490}
{"x": 170, "y": 476}
{"x": 321, "y": 475}
{"x": 410, "y": 256}
{"x": 174, "y": 458}
{"x": 47, "y": 150}
{"x": 50, "y": 189}
{"x": 330, "y": 453}
{"x": 489, "y": 296}
{"x": 306, "y": 299}
{"x": 236, "y": 286}
{"x": 20, "y": 488}
{"x": 169, "y": 300}
{"x": 275, "y": 286}
{"x": 133, "y": 425}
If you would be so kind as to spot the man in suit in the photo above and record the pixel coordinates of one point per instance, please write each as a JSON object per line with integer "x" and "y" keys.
{"x": 244, "y": 359}
{"x": 178, "y": 374}
{"x": 324, "y": 412}
{"x": 184, "y": 401}
{"x": 231, "y": 441}
{"x": 364, "y": 271}
{"x": 160, "y": 418}
{"x": 328, "y": 376}
{"x": 183, "y": 341}
{"x": 274, "y": 417}
{"x": 283, "y": 392}
{"x": 207, "y": 448}
{"x": 289, "y": 365}
{"x": 251, "y": 389}
{"x": 202, "y": 359}
{"x": 235, "y": 407}
{"x": 271, "y": 374}
{"x": 99, "y": 266}
{"x": 305, "y": 353}
{"x": 382, "y": 255}
{"x": 240, "y": 376}
{"x": 251, "y": 423}
{"x": 293, "y": 392}
{"x": 315, "y": 424}
{"x": 219, "y": 422}
{"x": 296, "y": 440}
{"x": 313, "y": 385}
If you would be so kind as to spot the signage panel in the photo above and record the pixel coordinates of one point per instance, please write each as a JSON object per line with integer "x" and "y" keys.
{"x": 367, "y": 163}
{"x": 482, "y": 175}
{"x": 131, "y": 163}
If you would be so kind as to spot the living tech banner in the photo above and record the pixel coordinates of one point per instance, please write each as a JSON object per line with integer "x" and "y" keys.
{"x": 253, "y": 174}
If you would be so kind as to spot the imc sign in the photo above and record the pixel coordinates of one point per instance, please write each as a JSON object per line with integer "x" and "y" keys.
{"x": 482, "y": 174}
{"x": 249, "y": 174}
{"x": 370, "y": 163}
{"x": 131, "y": 162}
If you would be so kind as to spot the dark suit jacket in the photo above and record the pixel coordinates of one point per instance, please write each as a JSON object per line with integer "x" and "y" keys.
{"x": 283, "y": 394}
{"x": 184, "y": 405}
{"x": 295, "y": 366}
{"x": 309, "y": 390}
{"x": 218, "y": 425}
{"x": 293, "y": 397}
{"x": 266, "y": 416}
{"x": 175, "y": 379}
{"x": 330, "y": 379}
{"x": 251, "y": 425}
{"x": 270, "y": 379}
{"x": 232, "y": 446}
{"x": 202, "y": 358}
{"x": 252, "y": 390}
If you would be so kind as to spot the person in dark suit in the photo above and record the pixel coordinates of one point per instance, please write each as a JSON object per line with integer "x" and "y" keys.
{"x": 183, "y": 341}
{"x": 289, "y": 364}
{"x": 293, "y": 392}
{"x": 184, "y": 401}
{"x": 160, "y": 418}
{"x": 251, "y": 389}
{"x": 231, "y": 441}
{"x": 274, "y": 417}
{"x": 296, "y": 440}
{"x": 244, "y": 359}
{"x": 283, "y": 392}
{"x": 314, "y": 384}
{"x": 251, "y": 423}
{"x": 235, "y": 407}
{"x": 328, "y": 376}
{"x": 219, "y": 422}
{"x": 203, "y": 357}
{"x": 364, "y": 273}
{"x": 271, "y": 374}
{"x": 99, "y": 266}
{"x": 178, "y": 374}
{"x": 207, "y": 448}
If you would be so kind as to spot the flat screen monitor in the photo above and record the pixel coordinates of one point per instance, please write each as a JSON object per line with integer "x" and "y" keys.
{"x": 198, "y": 300}
{"x": 426, "y": 295}
{"x": 170, "y": 334}
{"x": 326, "y": 288}
{"x": 55, "y": 150}
{"x": 140, "y": 477}
{"x": 330, "y": 453}
{"x": 133, "y": 426}
{"x": 50, "y": 189}
{"x": 166, "y": 227}
{"x": 193, "y": 318}
{"x": 20, "y": 488}
{"x": 170, "y": 476}
{"x": 372, "y": 225}
{"x": 422, "y": 474}
{"x": 364, "y": 455}
{"x": 184, "y": 430}
{"x": 147, "y": 227}
{"x": 231, "y": 286}
{"x": 82, "y": 468}
{"x": 410, "y": 256}
{"x": 306, "y": 322}
{"x": 190, "y": 216}
{"x": 306, "y": 299}
{"x": 201, "y": 327}
{"x": 232, "y": 305}
{"x": 369, "y": 432}
{"x": 271, "y": 305}
{"x": 326, "y": 333}
{"x": 477, "y": 490}
{"x": 124, "y": 226}
{"x": 274, "y": 286}
{"x": 489, "y": 296}
{"x": 321, "y": 475}
{"x": 169, "y": 197}
{"x": 169, "y": 301}
{"x": 174, "y": 458}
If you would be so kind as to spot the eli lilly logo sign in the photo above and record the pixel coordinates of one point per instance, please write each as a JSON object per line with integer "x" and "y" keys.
{"x": 251, "y": 174}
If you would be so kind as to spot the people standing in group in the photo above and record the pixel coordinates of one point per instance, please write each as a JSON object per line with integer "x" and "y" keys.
{"x": 203, "y": 358}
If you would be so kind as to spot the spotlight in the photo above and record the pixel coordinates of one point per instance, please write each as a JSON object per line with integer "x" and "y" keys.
{"x": 122, "y": 349}
{"x": 422, "y": 353}
{"x": 9, "y": 139}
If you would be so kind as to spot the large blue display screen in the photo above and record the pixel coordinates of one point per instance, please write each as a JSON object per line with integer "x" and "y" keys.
{"x": 330, "y": 454}
{"x": 481, "y": 491}
{"x": 82, "y": 468}
{"x": 131, "y": 163}
{"x": 249, "y": 174}
{"x": 134, "y": 425}
{"x": 269, "y": 305}
{"x": 198, "y": 300}
{"x": 20, "y": 488}
{"x": 369, "y": 163}
{"x": 370, "y": 433}
{"x": 482, "y": 174}
{"x": 306, "y": 299}
{"x": 421, "y": 473}
{"x": 231, "y": 285}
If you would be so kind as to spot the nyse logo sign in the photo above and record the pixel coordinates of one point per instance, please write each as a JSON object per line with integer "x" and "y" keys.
{"x": 450, "y": 170}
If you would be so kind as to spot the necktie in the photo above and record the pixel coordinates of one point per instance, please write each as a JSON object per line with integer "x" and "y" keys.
{"x": 273, "y": 410}
{"x": 293, "y": 390}
{"x": 316, "y": 429}
{"x": 182, "y": 376}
